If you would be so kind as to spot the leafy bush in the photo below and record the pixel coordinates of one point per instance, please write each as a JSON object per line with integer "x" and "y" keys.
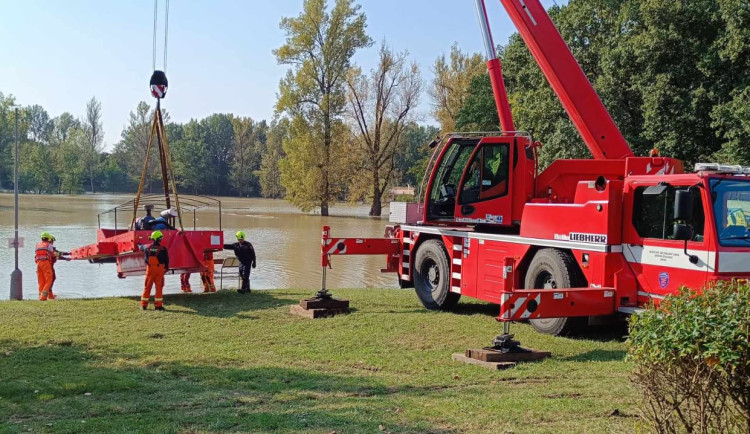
{"x": 692, "y": 358}
{"x": 405, "y": 198}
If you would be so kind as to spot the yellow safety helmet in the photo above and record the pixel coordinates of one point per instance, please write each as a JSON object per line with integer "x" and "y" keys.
{"x": 52, "y": 238}
{"x": 240, "y": 235}
{"x": 156, "y": 235}
{"x": 46, "y": 236}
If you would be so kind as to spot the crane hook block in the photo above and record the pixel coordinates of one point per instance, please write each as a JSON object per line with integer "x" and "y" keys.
{"x": 159, "y": 84}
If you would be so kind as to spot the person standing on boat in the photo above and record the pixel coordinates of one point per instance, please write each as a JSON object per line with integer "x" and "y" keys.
{"x": 157, "y": 263}
{"x": 43, "y": 254}
{"x": 245, "y": 253}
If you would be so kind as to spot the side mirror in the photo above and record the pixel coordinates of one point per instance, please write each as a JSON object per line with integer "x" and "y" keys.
{"x": 683, "y": 206}
{"x": 682, "y": 232}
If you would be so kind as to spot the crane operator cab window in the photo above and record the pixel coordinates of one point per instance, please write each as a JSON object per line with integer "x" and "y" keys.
{"x": 468, "y": 174}
{"x": 445, "y": 185}
{"x": 653, "y": 212}
{"x": 487, "y": 176}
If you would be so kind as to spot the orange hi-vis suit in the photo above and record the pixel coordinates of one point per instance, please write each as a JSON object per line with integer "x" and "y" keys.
{"x": 51, "y": 295}
{"x": 157, "y": 263}
{"x": 207, "y": 277}
{"x": 185, "y": 282}
{"x": 44, "y": 274}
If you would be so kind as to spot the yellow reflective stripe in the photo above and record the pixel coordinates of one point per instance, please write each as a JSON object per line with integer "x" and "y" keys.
{"x": 144, "y": 298}
{"x": 158, "y": 299}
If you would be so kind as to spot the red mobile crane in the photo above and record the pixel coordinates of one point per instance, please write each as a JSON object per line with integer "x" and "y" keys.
{"x": 581, "y": 239}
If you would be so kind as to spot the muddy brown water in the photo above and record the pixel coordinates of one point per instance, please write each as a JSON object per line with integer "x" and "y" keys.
{"x": 286, "y": 240}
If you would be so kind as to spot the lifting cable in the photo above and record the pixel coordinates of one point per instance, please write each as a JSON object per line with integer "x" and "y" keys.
{"x": 159, "y": 86}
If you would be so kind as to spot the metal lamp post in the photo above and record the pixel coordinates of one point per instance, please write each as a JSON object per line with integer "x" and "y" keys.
{"x": 16, "y": 281}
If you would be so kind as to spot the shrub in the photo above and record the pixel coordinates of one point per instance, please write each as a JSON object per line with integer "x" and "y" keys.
{"x": 692, "y": 358}
{"x": 405, "y": 198}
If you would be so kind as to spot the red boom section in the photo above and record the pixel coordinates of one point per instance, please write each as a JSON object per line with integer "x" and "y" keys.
{"x": 568, "y": 80}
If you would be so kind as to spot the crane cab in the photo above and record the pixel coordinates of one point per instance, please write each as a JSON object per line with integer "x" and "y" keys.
{"x": 481, "y": 180}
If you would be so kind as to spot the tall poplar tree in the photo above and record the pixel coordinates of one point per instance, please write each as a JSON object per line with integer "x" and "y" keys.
{"x": 319, "y": 48}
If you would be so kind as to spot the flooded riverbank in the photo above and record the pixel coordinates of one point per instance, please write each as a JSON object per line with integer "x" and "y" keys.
{"x": 287, "y": 243}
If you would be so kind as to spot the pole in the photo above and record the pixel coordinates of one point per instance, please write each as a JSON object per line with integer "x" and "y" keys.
{"x": 495, "y": 70}
{"x": 16, "y": 277}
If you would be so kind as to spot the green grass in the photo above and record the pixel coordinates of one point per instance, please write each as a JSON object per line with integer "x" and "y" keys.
{"x": 227, "y": 362}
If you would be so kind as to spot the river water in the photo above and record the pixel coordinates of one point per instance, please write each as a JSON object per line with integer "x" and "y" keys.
{"x": 287, "y": 243}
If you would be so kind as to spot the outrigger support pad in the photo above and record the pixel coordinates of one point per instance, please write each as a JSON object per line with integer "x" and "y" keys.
{"x": 322, "y": 305}
{"x": 323, "y": 294}
{"x": 504, "y": 353}
{"x": 506, "y": 344}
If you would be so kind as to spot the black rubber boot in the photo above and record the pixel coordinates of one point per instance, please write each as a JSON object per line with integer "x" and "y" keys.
{"x": 144, "y": 307}
{"x": 161, "y": 308}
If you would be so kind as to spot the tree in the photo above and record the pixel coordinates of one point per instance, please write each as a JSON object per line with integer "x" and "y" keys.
{"x": 7, "y": 137}
{"x": 414, "y": 154}
{"x": 219, "y": 139}
{"x": 452, "y": 79}
{"x": 319, "y": 47}
{"x": 134, "y": 142}
{"x": 40, "y": 125}
{"x": 35, "y": 171}
{"x": 114, "y": 177}
{"x": 381, "y": 106}
{"x": 190, "y": 156}
{"x": 269, "y": 175}
{"x": 62, "y": 126}
{"x": 301, "y": 174}
{"x": 92, "y": 146}
{"x": 479, "y": 112}
{"x": 69, "y": 164}
{"x": 249, "y": 137}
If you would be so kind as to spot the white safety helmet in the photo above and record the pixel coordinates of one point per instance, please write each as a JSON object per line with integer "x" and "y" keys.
{"x": 171, "y": 212}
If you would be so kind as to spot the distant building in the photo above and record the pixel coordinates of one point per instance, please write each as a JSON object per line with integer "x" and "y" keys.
{"x": 396, "y": 191}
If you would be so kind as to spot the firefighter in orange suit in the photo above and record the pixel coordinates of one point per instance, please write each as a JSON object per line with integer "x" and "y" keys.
{"x": 207, "y": 277}
{"x": 56, "y": 256}
{"x": 44, "y": 252}
{"x": 185, "y": 282}
{"x": 157, "y": 263}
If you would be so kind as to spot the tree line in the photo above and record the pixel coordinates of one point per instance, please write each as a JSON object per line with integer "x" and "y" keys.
{"x": 672, "y": 75}
{"x": 222, "y": 154}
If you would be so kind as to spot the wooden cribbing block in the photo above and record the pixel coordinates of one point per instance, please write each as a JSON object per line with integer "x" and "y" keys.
{"x": 489, "y": 365}
{"x": 317, "y": 313}
{"x": 331, "y": 303}
{"x": 495, "y": 356}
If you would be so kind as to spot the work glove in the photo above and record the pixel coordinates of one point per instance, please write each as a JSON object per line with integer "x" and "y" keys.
{"x": 253, "y": 264}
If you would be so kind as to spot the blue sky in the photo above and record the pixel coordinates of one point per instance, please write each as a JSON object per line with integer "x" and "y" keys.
{"x": 60, "y": 54}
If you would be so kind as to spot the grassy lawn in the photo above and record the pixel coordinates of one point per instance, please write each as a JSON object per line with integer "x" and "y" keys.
{"x": 228, "y": 362}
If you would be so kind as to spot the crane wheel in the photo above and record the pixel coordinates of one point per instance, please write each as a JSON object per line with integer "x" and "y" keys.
{"x": 550, "y": 269}
{"x": 432, "y": 275}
